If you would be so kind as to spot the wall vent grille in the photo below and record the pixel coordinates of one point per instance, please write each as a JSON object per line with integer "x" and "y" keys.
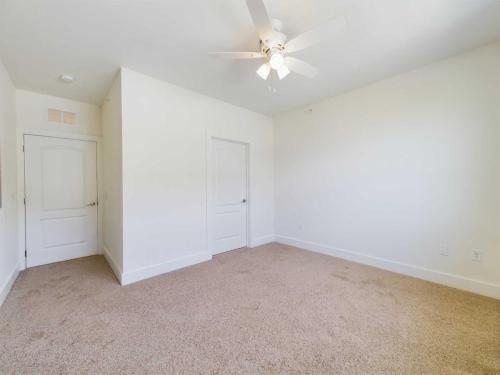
{"x": 61, "y": 117}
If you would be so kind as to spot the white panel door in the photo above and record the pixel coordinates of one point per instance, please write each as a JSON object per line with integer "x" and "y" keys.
{"x": 229, "y": 195}
{"x": 61, "y": 199}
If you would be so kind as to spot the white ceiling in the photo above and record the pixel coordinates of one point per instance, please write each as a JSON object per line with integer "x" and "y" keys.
{"x": 171, "y": 40}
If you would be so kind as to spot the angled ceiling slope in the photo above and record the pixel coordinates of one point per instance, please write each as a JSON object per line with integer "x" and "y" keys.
{"x": 172, "y": 40}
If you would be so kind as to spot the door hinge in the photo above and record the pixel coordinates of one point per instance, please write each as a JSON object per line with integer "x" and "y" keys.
{"x": 25, "y": 253}
{"x": 23, "y": 148}
{"x": 24, "y": 201}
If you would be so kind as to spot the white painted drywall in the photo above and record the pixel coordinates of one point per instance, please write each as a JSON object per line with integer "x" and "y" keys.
{"x": 32, "y": 118}
{"x": 32, "y": 114}
{"x": 172, "y": 40}
{"x": 165, "y": 131}
{"x": 400, "y": 171}
{"x": 111, "y": 122}
{"x": 9, "y": 255}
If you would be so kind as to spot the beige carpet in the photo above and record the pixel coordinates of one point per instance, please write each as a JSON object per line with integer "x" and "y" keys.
{"x": 269, "y": 310}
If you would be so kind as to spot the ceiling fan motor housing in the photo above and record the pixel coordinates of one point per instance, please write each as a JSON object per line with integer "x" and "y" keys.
{"x": 276, "y": 43}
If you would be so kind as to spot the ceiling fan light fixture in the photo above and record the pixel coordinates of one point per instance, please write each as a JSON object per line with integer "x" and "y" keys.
{"x": 274, "y": 44}
{"x": 276, "y": 60}
{"x": 282, "y": 71}
{"x": 263, "y": 71}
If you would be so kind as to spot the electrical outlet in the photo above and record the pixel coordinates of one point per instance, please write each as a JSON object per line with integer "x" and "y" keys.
{"x": 477, "y": 255}
{"x": 444, "y": 250}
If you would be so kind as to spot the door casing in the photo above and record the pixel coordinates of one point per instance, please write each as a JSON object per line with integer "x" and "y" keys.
{"x": 74, "y": 249}
{"x": 21, "y": 184}
{"x": 210, "y": 192}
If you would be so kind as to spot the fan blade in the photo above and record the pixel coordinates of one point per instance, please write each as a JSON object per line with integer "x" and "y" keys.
{"x": 316, "y": 35}
{"x": 260, "y": 19}
{"x": 301, "y": 67}
{"x": 238, "y": 55}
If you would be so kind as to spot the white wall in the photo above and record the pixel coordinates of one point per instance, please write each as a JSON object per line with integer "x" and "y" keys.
{"x": 111, "y": 121}
{"x": 9, "y": 255}
{"x": 165, "y": 131}
{"x": 32, "y": 114}
{"x": 32, "y": 118}
{"x": 395, "y": 173}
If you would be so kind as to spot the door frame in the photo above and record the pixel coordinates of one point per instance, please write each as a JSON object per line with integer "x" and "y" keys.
{"x": 21, "y": 209}
{"x": 210, "y": 190}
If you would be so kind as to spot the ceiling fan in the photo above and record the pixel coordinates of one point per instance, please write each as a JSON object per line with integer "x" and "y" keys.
{"x": 275, "y": 47}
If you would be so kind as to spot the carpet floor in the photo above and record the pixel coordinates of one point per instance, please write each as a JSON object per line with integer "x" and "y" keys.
{"x": 269, "y": 310}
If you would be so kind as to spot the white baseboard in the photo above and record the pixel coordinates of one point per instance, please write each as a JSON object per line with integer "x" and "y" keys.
{"x": 117, "y": 269}
{"x": 454, "y": 281}
{"x": 7, "y": 286}
{"x": 259, "y": 241}
{"x": 161, "y": 268}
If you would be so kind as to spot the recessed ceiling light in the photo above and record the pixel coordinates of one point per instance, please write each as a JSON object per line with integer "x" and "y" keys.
{"x": 66, "y": 78}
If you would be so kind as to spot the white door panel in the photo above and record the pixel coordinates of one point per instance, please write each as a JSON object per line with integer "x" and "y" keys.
{"x": 61, "y": 199}
{"x": 230, "y": 194}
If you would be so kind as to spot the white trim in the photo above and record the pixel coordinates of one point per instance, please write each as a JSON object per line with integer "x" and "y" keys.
{"x": 262, "y": 241}
{"x": 161, "y": 268}
{"x": 20, "y": 184}
{"x": 117, "y": 269}
{"x": 7, "y": 286}
{"x": 210, "y": 192}
{"x": 454, "y": 281}
{"x": 66, "y": 135}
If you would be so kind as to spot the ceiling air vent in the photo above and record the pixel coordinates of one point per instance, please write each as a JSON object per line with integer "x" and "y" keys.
{"x": 61, "y": 117}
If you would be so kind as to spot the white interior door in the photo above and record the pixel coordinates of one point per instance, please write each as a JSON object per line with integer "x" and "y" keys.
{"x": 229, "y": 169}
{"x": 61, "y": 199}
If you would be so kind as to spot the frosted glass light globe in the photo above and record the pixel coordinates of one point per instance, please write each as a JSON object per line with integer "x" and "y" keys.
{"x": 276, "y": 60}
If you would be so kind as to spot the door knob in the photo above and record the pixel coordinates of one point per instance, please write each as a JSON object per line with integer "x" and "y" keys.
{"x": 243, "y": 200}
{"x": 91, "y": 204}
